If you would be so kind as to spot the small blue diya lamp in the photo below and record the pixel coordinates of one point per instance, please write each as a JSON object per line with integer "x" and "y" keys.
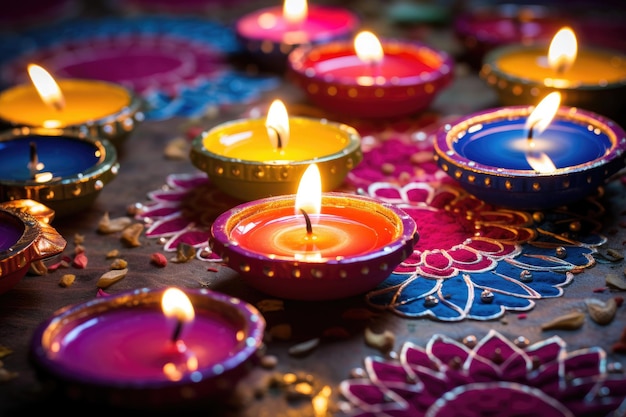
{"x": 62, "y": 169}
{"x": 25, "y": 237}
{"x": 502, "y": 157}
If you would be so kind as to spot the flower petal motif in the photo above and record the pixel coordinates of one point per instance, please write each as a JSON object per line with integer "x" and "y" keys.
{"x": 495, "y": 377}
{"x": 183, "y": 211}
{"x": 477, "y": 261}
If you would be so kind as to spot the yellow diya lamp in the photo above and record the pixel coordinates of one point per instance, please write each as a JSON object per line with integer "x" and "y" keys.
{"x": 589, "y": 78}
{"x": 262, "y": 157}
{"x": 89, "y": 107}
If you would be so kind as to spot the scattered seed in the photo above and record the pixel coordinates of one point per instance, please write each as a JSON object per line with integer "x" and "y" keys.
{"x": 38, "y": 268}
{"x": 79, "y": 249}
{"x": 79, "y": 239}
{"x": 107, "y": 225}
{"x": 570, "y": 321}
{"x": 382, "y": 341}
{"x": 158, "y": 259}
{"x": 522, "y": 316}
{"x": 119, "y": 263}
{"x": 599, "y": 289}
{"x": 113, "y": 254}
{"x": 111, "y": 277}
{"x": 601, "y": 312}
{"x": 268, "y": 361}
{"x": 80, "y": 260}
{"x": 266, "y": 306}
{"x": 616, "y": 281}
{"x": 130, "y": 235}
{"x": 281, "y": 331}
{"x": 211, "y": 269}
{"x": 184, "y": 253}
{"x": 67, "y": 280}
{"x": 177, "y": 149}
{"x": 304, "y": 347}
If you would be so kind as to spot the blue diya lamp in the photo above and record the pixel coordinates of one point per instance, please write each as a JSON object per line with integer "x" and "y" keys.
{"x": 60, "y": 168}
{"x": 488, "y": 153}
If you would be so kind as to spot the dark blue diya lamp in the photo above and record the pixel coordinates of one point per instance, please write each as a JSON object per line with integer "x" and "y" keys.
{"x": 25, "y": 237}
{"x": 501, "y": 158}
{"x": 61, "y": 169}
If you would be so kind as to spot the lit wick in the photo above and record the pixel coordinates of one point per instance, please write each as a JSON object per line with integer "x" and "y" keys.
{"x": 177, "y": 330}
{"x": 309, "y": 226}
{"x": 279, "y": 141}
{"x": 34, "y": 160}
{"x": 531, "y": 130}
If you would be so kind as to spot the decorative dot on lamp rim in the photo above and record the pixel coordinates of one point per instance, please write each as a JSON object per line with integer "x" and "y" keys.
{"x": 26, "y": 236}
{"x": 590, "y": 78}
{"x": 132, "y": 350}
{"x": 490, "y": 155}
{"x": 61, "y": 169}
{"x": 346, "y": 246}
{"x": 268, "y": 35}
{"x": 89, "y": 107}
{"x": 242, "y": 159}
{"x": 369, "y": 78}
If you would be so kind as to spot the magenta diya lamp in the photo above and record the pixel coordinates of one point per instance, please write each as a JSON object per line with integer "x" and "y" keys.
{"x": 366, "y": 77}
{"x": 149, "y": 348}
{"x": 314, "y": 245}
{"x": 532, "y": 157}
{"x": 268, "y": 35}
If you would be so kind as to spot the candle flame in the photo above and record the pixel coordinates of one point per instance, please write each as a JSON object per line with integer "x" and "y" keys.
{"x": 277, "y": 124}
{"x": 368, "y": 48}
{"x": 542, "y": 115}
{"x": 309, "y": 196}
{"x": 295, "y": 11}
{"x": 175, "y": 303}
{"x": 563, "y": 50}
{"x": 46, "y": 87}
{"x": 540, "y": 162}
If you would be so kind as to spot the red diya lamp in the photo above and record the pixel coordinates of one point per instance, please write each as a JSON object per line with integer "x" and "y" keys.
{"x": 149, "y": 348}
{"x": 26, "y": 236}
{"x": 270, "y": 34}
{"x": 88, "y": 107}
{"x": 369, "y": 78}
{"x": 589, "y": 78}
{"x": 314, "y": 245}
{"x": 529, "y": 157}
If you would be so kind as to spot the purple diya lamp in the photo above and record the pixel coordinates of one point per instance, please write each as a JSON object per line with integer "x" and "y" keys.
{"x": 521, "y": 157}
{"x": 148, "y": 348}
{"x": 314, "y": 245}
{"x": 271, "y": 33}
{"x": 25, "y": 237}
{"x": 365, "y": 77}
{"x": 62, "y": 169}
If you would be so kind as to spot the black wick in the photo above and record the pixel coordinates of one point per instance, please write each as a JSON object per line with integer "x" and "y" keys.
{"x": 34, "y": 159}
{"x": 279, "y": 141}
{"x": 177, "y": 330}
{"x": 531, "y": 130}
{"x": 309, "y": 227}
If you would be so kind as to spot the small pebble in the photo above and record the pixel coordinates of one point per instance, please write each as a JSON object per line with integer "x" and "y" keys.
{"x": 67, "y": 280}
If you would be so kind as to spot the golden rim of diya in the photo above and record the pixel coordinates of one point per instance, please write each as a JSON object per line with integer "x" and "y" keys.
{"x": 250, "y": 180}
{"x": 68, "y": 194}
{"x": 38, "y": 241}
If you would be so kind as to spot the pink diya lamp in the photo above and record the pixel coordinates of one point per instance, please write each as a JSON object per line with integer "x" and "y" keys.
{"x": 367, "y": 78}
{"x": 314, "y": 245}
{"x": 26, "y": 236}
{"x": 589, "y": 78}
{"x": 148, "y": 348}
{"x": 262, "y": 157}
{"x": 89, "y": 107}
{"x": 271, "y": 33}
{"x": 529, "y": 157}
